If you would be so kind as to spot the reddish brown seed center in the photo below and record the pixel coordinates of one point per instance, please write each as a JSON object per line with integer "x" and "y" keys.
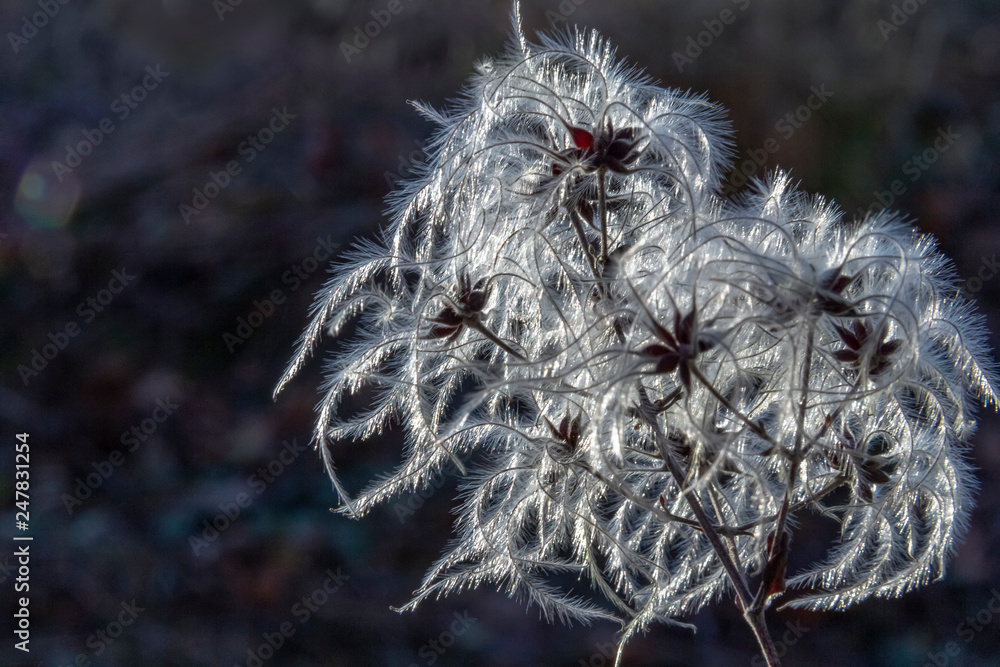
{"x": 583, "y": 139}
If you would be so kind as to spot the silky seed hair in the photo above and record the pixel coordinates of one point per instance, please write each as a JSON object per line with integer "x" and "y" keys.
{"x": 565, "y": 312}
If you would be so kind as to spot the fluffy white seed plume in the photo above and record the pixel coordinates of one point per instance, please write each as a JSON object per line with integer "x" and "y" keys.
{"x": 631, "y": 364}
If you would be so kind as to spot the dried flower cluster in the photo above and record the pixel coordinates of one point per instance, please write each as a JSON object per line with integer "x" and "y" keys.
{"x": 651, "y": 385}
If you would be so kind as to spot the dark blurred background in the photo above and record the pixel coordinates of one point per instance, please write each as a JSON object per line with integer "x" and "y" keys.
{"x": 141, "y": 340}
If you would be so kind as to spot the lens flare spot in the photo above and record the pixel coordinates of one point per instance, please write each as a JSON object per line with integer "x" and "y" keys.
{"x": 44, "y": 201}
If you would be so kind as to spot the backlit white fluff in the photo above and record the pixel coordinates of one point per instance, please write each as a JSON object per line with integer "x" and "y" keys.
{"x": 563, "y": 299}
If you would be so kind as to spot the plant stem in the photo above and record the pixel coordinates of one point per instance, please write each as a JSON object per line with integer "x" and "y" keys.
{"x": 603, "y": 202}
{"x": 707, "y": 525}
{"x": 474, "y": 323}
{"x": 576, "y": 218}
{"x": 752, "y": 613}
{"x": 778, "y": 537}
{"x": 755, "y": 619}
